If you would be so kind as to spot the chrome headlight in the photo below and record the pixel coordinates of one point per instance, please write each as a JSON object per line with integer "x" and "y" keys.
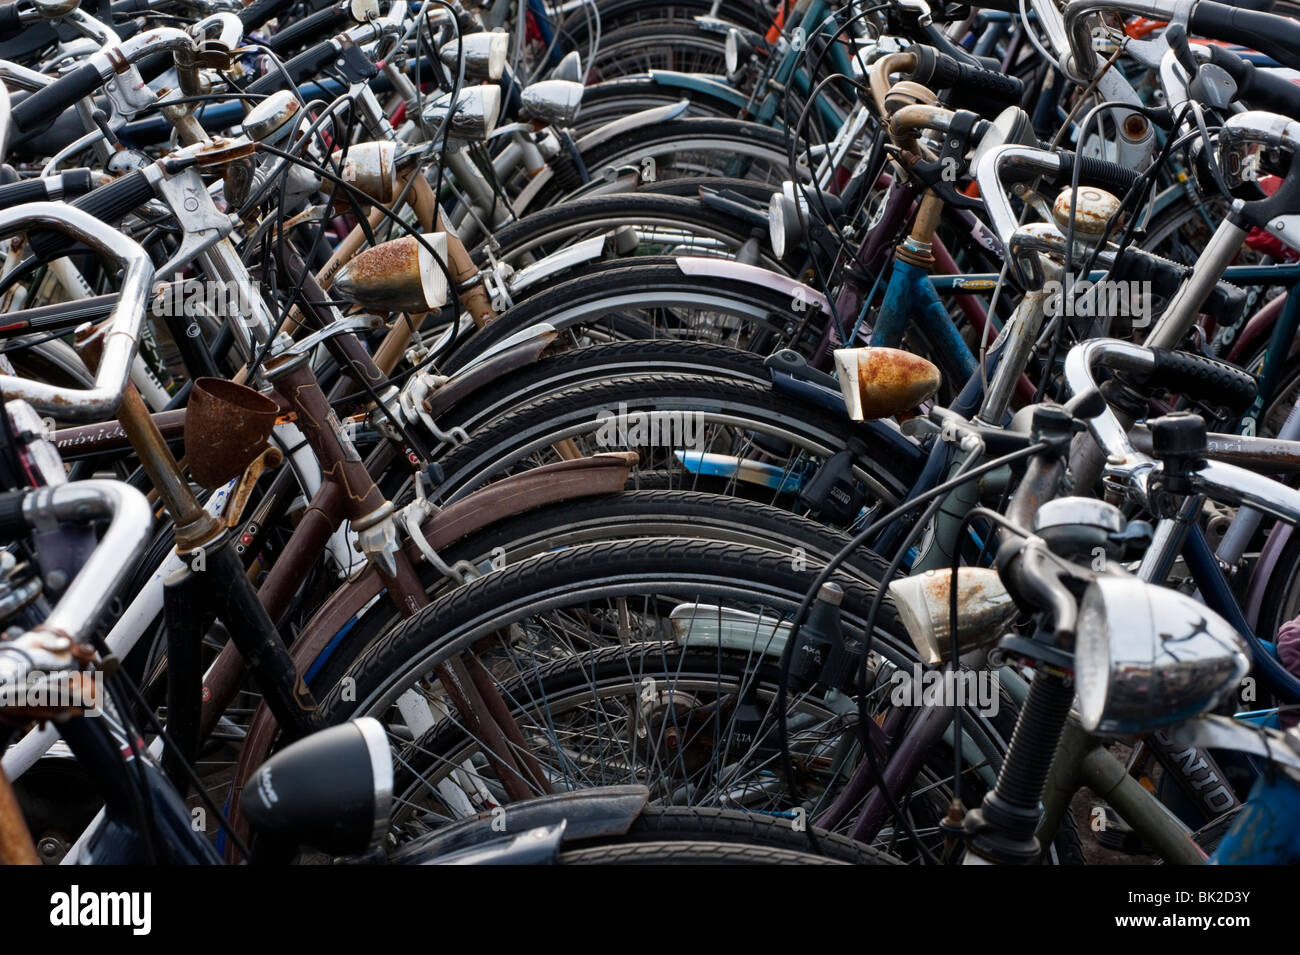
{"x": 485, "y": 54}
{"x": 1146, "y": 657}
{"x": 784, "y": 227}
{"x": 475, "y": 114}
{"x": 733, "y": 50}
{"x": 551, "y": 102}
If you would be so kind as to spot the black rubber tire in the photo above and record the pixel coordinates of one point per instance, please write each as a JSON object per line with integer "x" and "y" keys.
{"x": 689, "y": 853}
{"x": 594, "y": 363}
{"x": 548, "y": 230}
{"x": 707, "y": 824}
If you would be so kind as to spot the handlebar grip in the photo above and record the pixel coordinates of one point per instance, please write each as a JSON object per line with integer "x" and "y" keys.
{"x": 303, "y": 66}
{"x": 74, "y": 182}
{"x": 1207, "y": 379}
{"x": 1260, "y": 88}
{"x": 12, "y": 522}
{"x": 259, "y": 11}
{"x": 10, "y": 24}
{"x": 1095, "y": 172}
{"x": 969, "y": 84}
{"x": 1269, "y": 33}
{"x": 124, "y": 9}
{"x": 108, "y": 204}
{"x": 323, "y": 22}
{"x": 39, "y": 111}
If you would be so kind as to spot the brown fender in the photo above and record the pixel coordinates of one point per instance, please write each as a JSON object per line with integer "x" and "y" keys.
{"x": 465, "y": 383}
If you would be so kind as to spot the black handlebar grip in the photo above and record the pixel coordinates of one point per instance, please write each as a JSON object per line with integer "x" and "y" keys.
{"x": 109, "y": 204}
{"x": 1259, "y": 88}
{"x": 1094, "y": 172}
{"x": 12, "y": 522}
{"x": 322, "y": 23}
{"x": 74, "y": 182}
{"x": 258, "y": 12}
{"x": 1269, "y": 33}
{"x": 1206, "y": 379}
{"x": 302, "y": 67}
{"x": 10, "y": 24}
{"x": 969, "y": 84}
{"x": 124, "y": 9}
{"x": 1163, "y": 276}
{"x": 42, "y": 108}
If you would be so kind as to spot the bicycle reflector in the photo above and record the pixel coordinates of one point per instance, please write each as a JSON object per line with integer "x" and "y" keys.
{"x": 1147, "y": 657}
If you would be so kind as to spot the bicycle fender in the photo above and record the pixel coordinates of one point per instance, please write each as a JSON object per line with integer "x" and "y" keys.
{"x": 588, "y": 250}
{"x": 801, "y": 295}
{"x": 491, "y": 366}
{"x": 646, "y": 117}
{"x": 701, "y": 84}
{"x": 585, "y": 814}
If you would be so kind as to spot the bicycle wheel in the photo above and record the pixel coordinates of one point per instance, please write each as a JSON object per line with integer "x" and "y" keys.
{"x": 690, "y": 853}
{"x": 575, "y": 30}
{"x": 595, "y": 363}
{"x": 628, "y": 515}
{"x": 683, "y": 47}
{"x": 575, "y": 641}
{"x": 609, "y": 100}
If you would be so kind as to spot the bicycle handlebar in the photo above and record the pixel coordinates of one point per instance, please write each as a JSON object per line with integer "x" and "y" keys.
{"x": 99, "y": 401}
{"x": 49, "y": 645}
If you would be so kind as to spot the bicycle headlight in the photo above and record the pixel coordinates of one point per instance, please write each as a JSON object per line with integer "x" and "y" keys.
{"x": 484, "y": 54}
{"x": 475, "y": 114}
{"x": 1147, "y": 656}
{"x": 552, "y": 102}
{"x": 400, "y": 275}
{"x": 736, "y": 49}
{"x": 784, "y": 227}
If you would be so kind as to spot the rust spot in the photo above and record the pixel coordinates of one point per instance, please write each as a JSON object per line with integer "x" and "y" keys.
{"x": 1135, "y": 126}
{"x": 384, "y": 278}
{"x": 226, "y": 426}
{"x": 889, "y": 380}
